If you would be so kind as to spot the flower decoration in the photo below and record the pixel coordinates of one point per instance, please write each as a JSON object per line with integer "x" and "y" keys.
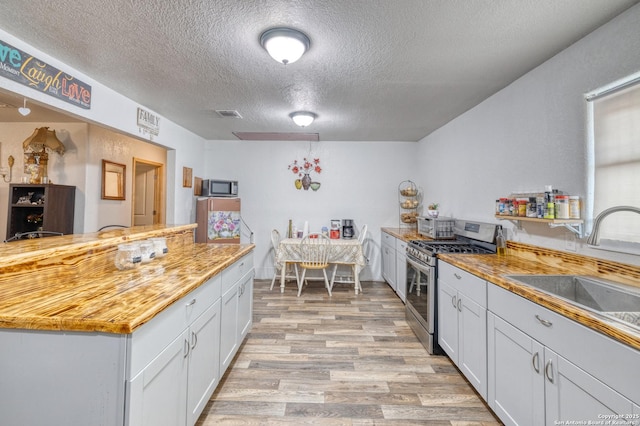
{"x": 305, "y": 167}
{"x": 223, "y": 224}
{"x": 303, "y": 170}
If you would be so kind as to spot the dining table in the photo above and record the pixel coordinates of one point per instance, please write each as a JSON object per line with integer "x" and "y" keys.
{"x": 343, "y": 251}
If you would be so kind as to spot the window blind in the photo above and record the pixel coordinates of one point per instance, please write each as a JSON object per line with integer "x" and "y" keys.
{"x": 616, "y": 133}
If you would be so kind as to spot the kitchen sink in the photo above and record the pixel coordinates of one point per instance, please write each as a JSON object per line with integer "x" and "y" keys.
{"x": 618, "y": 301}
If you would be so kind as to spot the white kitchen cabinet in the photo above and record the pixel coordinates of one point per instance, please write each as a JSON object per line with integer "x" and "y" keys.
{"x": 388, "y": 249}
{"x": 158, "y": 394}
{"x": 394, "y": 265}
{"x": 571, "y": 393}
{"x": 228, "y": 328}
{"x": 204, "y": 361}
{"x": 236, "y": 316}
{"x": 174, "y": 386}
{"x": 515, "y": 390}
{"x": 245, "y": 306}
{"x": 462, "y": 322}
{"x": 401, "y": 269}
{"x": 545, "y": 368}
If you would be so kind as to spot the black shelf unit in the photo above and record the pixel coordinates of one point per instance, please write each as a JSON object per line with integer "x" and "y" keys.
{"x": 54, "y": 204}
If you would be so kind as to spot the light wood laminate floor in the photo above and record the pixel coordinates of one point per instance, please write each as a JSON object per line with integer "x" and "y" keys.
{"x": 340, "y": 360}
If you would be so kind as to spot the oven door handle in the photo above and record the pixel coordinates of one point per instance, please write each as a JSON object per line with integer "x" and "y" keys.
{"x": 419, "y": 267}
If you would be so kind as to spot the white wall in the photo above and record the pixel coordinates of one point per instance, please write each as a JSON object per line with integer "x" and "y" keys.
{"x": 117, "y": 148}
{"x": 531, "y": 134}
{"x": 359, "y": 181}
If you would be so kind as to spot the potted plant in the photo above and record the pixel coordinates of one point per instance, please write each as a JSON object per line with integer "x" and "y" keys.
{"x": 432, "y": 210}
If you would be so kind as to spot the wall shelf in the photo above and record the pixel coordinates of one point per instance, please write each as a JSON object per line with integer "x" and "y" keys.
{"x": 573, "y": 225}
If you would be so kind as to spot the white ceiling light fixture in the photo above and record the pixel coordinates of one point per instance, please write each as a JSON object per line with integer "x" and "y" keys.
{"x": 24, "y": 111}
{"x": 285, "y": 45}
{"x": 302, "y": 118}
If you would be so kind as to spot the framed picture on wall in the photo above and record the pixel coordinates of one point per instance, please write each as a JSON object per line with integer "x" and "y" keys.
{"x": 197, "y": 186}
{"x": 113, "y": 180}
{"x": 186, "y": 177}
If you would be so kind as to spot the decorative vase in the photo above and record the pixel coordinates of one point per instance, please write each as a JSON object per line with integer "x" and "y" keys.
{"x": 306, "y": 182}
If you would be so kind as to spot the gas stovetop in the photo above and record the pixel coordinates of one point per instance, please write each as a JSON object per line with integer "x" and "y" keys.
{"x": 471, "y": 238}
{"x": 435, "y": 247}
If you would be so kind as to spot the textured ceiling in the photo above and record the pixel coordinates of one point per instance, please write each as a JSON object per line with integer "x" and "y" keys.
{"x": 377, "y": 69}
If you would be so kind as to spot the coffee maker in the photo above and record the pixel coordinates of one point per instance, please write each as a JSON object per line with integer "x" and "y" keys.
{"x": 347, "y": 229}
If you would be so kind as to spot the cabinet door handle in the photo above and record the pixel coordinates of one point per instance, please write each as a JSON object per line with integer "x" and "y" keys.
{"x": 453, "y": 301}
{"x": 548, "y": 371}
{"x": 193, "y": 302}
{"x": 185, "y": 351}
{"x": 194, "y": 340}
{"x": 544, "y": 321}
{"x": 536, "y": 362}
{"x": 455, "y": 274}
{"x": 459, "y": 305}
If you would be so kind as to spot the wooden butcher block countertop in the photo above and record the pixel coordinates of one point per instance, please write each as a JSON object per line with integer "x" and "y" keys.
{"x": 524, "y": 259}
{"x": 404, "y": 234}
{"x": 76, "y": 292}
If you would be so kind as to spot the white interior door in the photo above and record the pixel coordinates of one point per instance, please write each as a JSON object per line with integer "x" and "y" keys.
{"x": 144, "y": 212}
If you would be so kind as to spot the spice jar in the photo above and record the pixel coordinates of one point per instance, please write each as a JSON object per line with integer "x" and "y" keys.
{"x": 128, "y": 256}
{"x": 522, "y": 207}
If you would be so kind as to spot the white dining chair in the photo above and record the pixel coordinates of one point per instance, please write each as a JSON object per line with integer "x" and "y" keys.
{"x": 291, "y": 267}
{"x": 362, "y": 235}
{"x": 314, "y": 250}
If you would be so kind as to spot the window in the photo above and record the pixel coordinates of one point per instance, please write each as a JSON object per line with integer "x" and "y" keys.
{"x": 614, "y": 163}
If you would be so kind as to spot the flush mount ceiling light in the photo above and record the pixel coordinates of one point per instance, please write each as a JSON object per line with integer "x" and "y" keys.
{"x": 285, "y": 45}
{"x": 24, "y": 111}
{"x": 302, "y": 118}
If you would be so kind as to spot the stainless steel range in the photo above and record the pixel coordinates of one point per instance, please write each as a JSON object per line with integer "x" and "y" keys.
{"x": 422, "y": 274}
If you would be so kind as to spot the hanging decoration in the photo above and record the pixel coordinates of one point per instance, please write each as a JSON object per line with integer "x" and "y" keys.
{"x": 303, "y": 170}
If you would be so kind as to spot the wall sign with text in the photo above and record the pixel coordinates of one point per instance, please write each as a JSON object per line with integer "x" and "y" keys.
{"x": 25, "y": 69}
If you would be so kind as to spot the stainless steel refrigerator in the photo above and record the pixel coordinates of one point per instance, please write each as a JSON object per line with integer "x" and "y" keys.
{"x": 218, "y": 220}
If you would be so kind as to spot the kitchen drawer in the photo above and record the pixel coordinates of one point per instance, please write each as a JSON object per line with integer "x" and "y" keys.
{"x": 472, "y": 286}
{"x": 151, "y": 338}
{"x": 389, "y": 240}
{"x": 233, "y": 273}
{"x": 610, "y": 361}
{"x": 401, "y": 246}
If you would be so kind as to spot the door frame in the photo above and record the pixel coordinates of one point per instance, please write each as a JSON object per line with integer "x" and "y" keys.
{"x": 159, "y": 202}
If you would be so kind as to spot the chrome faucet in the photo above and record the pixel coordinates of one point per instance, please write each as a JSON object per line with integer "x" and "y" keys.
{"x": 593, "y": 239}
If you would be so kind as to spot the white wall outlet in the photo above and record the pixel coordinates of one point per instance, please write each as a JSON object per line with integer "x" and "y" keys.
{"x": 570, "y": 242}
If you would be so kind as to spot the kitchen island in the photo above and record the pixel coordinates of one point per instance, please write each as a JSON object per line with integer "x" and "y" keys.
{"x": 84, "y": 343}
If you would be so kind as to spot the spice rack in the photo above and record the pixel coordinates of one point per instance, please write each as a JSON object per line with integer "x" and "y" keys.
{"x": 409, "y": 200}
{"x": 573, "y": 225}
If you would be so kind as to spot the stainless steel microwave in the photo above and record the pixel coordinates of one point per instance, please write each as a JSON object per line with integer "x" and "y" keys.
{"x": 219, "y": 188}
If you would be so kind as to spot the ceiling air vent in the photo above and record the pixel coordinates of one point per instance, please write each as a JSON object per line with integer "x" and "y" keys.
{"x": 228, "y": 113}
